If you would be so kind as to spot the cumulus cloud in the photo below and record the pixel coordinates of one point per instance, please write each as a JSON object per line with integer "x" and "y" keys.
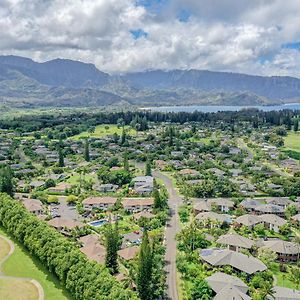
{"x": 226, "y": 35}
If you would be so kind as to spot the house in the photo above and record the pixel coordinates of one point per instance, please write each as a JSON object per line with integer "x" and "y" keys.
{"x": 143, "y": 214}
{"x": 60, "y": 188}
{"x": 89, "y": 239}
{"x": 61, "y": 224}
{"x": 189, "y": 173}
{"x": 269, "y": 209}
{"x": 36, "y": 184}
{"x": 286, "y": 251}
{"x": 237, "y": 260}
{"x": 227, "y": 287}
{"x": 235, "y": 241}
{"x": 248, "y": 220}
{"x": 282, "y": 293}
{"x": 272, "y": 222}
{"x": 132, "y": 238}
{"x": 235, "y": 172}
{"x": 222, "y": 204}
{"x": 143, "y": 184}
{"x": 249, "y": 204}
{"x": 94, "y": 251}
{"x": 212, "y": 216}
{"x": 137, "y": 204}
{"x": 102, "y": 203}
{"x": 128, "y": 253}
{"x": 217, "y": 172}
{"x": 105, "y": 188}
{"x": 280, "y": 201}
{"x": 34, "y": 206}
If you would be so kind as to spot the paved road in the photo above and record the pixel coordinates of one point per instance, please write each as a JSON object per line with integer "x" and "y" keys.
{"x": 173, "y": 227}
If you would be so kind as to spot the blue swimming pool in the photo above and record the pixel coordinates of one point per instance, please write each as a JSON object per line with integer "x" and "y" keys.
{"x": 98, "y": 223}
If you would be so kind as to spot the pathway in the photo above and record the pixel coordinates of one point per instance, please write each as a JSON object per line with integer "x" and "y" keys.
{"x": 2, "y": 276}
{"x": 172, "y": 228}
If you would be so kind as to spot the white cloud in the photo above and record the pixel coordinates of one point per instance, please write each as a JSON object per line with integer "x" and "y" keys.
{"x": 226, "y": 35}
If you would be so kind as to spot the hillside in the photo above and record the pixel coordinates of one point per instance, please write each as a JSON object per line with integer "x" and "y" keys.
{"x": 62, "y": 82}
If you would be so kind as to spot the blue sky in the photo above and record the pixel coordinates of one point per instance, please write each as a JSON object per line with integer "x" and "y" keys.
{"x": 255, "y": 37}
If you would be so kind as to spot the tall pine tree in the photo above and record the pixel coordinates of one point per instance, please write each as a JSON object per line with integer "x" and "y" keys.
{"x": 145, "y": 264}
{"x": 87, "y": 150}
{"x": 296, "y": 125}
{"x": 112, "y": 240}
{"x": 6, "y": 180}
{"x": 148, "y": 168}
{"x": 125, "y": 162}
{"x": 61, "y": 161}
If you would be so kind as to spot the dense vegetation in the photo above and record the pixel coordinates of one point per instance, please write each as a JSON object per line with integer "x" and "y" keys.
{"x": 84, "y": 279}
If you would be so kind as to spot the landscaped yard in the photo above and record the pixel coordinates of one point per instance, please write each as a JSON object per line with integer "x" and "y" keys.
{"x": 21, "y": 264}
{"x": 292, "y": 141}
{"x": 104, "y": 130}
{"x": 12, "y": 289}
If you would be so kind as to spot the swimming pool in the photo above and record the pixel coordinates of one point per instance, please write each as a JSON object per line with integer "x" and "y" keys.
{"x": 98, "y": 223}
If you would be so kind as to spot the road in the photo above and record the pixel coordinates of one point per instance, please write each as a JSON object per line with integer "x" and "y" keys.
{"x": 172, "y": 228}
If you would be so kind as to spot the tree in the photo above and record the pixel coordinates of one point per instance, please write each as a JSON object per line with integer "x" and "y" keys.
{"x": 296, "y": 125}
{"x": 6, "y": 180}
{"x": 87, "y": 150}
{"x": 61, "y": 162}
{"x": 125, "y": 162}
{"x": 144, "y": 276}
{"x": 294, "y": 275}
{"x": 123, "y": 136}
{"x": 148, "y": 168}
{"x": 267, "y": 256}
{"x": 112, "y": 241}
{"x": 201, "y": 290}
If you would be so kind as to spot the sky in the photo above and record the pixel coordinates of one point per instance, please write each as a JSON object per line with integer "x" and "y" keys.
{"x": 246, "y": 36}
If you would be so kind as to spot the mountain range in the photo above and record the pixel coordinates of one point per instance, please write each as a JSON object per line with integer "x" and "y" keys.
{"x": 68, "y": 83}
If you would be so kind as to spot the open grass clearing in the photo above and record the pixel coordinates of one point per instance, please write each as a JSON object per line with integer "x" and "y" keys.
{"x": 22, "y": 264}
{"x": 104, "y": 130}
{"x": 292, "y": 141}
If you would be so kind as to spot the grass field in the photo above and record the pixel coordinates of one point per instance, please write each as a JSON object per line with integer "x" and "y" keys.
{"x": 21, "y": 264}
{"x": 292, "y": 141}
{"x": 75, "y": 179}
{"x": 4, "y": 249}
{"x": 12, "y": 289}
{"x": 104, "y": 130}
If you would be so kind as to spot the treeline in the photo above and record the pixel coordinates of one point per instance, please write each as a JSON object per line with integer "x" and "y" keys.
{"x": 77, "y": 122}
{"x": 85, "y": 280}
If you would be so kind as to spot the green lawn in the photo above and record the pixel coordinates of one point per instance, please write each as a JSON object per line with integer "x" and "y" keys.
{"x": 282, "y": 278}
{"x": 22, "y": 264}
{"x": 75, "y": 179}
{"x": 12, "y": 289}
{"x": 4, "y": 249}
{"x": 292, "y": 141}
{"x": 104, "y": 130}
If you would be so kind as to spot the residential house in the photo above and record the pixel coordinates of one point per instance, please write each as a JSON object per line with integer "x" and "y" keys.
{"x": 235, "y": 241}
{"x": 137, "y": 204}
{"x": 103, "y": 203}
{"x": 286, "y": 251}
{"x": 143, "y": 184}
{"x": 237, "y": 260}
